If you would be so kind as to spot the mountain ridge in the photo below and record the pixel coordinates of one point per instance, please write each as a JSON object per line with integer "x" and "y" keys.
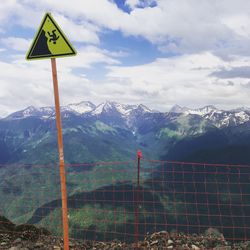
{"x": 219, "y": 117}
{"x": 110, "y": 131}
{"x": 176, "y": 108}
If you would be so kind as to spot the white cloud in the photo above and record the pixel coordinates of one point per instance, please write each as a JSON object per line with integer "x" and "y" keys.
{"x": 21, "y": 85}
{"x": 189, "y": 27}
{"x": 186, "y": 80}
{"x": 25, "y": 83}
{"x": 5, "y": 9}
{"x": 16, "y": 43}
{"x": 169, "y": 24}
{"x": 29, "y": 14}
{"x": 208, "y": 36}
{"x": 83, "y": 32}
{"x": 87, "y": 56}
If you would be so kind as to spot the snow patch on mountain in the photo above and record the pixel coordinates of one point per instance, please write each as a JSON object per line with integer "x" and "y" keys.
{"x": 29, "y": 111}
{"x": 98, "y": 110}
{"x": 130, "y": 114}
{"x": 178, "y": 109}
{"x": 203, "y": 111}
{"x": 142, "y": 108}
{"x": 124, "y": 110}
{"x": 219, "y": 118}
{"x": 80, "y": 108}
{"x": 200, "y": 111}
{"x": 242, "y": 116}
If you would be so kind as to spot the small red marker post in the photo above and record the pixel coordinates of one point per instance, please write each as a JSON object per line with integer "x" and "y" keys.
{"x": 139, "y": 156}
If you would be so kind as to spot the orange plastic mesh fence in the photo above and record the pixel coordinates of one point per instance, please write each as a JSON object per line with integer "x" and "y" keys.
{"x": 105, "y": 201}
{"x": 28, "y": 193}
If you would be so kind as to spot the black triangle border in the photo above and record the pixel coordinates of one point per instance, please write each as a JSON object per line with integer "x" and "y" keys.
{"x": 29, "y": 54}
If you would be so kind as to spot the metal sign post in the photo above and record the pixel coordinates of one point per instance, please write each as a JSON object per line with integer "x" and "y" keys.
{"x": 51, "y": 42}
{"x": 61, "y": 156}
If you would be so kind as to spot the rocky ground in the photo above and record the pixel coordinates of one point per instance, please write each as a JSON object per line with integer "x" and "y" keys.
{"x": 28, "y": 237}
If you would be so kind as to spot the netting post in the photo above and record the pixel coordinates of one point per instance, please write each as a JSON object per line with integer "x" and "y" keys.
{"x": 139, "y": 156}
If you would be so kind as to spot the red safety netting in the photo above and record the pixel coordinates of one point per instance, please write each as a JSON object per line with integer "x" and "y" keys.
{"x": 172, "y": 196}
{"x": 118, "y": 200}
{"x": 103, "y": 208}
{"x": 191, "y": 197}
{"x": 25, "y": 189}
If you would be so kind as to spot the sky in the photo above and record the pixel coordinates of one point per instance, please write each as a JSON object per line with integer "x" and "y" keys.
{"x": 155, "y": 52}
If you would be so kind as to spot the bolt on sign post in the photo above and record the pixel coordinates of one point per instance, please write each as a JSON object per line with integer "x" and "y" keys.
{"x": 51, "y": 42}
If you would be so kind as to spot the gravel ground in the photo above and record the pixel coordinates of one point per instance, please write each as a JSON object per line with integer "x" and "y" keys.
{"x": 28, "y": 237}
{"x": 157, "y": 241}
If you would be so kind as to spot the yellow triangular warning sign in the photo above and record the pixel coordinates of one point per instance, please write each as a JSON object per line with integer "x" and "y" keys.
{"x": 50, "y": 41}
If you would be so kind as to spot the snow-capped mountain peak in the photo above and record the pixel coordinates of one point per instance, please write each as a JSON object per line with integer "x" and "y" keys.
{"x": 44, "y": 112}
{"x": 109, "y": 106}
{"x": 80, "y": 108}
{"x": 98, "y": 110}
{"x": 130, "y": 114}
{"x": 203, "y": 111}
{"x": 144, "y": 109}
{"x": 219, "y": 118}
{"x": 123, "y": 109}
{"x": 29, "y": 111}
{"x": 104, "y": 107}
{"x": 178, "y": 109}
{"x": 200, "y": 111}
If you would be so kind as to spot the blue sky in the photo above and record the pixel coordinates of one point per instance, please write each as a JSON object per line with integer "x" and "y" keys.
{"x": 156, "y": 52}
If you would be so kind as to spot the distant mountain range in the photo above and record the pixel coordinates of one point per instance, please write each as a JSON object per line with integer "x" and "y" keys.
{"x": 219, "y": 118}
{"x": 113, "y": 131}
{"x": 109, "y": 132}
{"x": 84, "y": 108}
